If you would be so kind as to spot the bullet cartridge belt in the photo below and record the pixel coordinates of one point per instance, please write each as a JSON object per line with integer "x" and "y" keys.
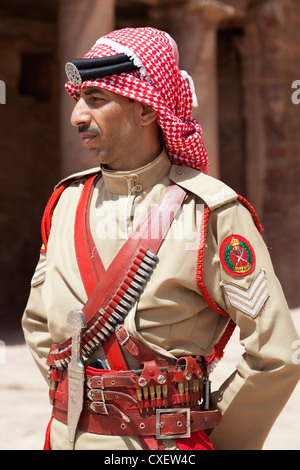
{"x": 131, "y": 390}
{"x": 102, "y": 325}
{"x": 116, "y": 403}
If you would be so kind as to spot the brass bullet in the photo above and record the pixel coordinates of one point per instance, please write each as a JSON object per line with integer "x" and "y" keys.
{"x": 152, "y": 396}
{"x": 146, "y": 395}
{"x": 139, "y": 396}
{"x": 165, "y": 393}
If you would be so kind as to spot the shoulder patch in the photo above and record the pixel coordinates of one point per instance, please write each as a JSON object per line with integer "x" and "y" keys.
{"x": 251, "y": 300}
{"x": 237, "y": 256}
{"x": 211, "y": 190}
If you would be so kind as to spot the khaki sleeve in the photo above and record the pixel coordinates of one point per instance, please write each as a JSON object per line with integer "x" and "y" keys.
{"x": 34, "y": 320}
{"x": 265, "y": 376}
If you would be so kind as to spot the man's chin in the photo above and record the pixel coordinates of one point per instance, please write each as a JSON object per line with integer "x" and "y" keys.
{"x": 97, "y": 156}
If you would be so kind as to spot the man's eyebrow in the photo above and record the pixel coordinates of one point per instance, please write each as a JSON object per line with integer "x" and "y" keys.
{"x": 90, "y": 91}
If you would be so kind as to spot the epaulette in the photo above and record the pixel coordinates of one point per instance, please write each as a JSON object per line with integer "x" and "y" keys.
{"x": 212, "y": 191}
{"x": 77, "y": 176}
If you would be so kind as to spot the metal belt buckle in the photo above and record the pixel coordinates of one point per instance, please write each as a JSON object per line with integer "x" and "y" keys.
{"x": 97, "y": 403}
{"x": 104, "y": 409}
{"x": 99, "y": 381}
{"x": 159, "y": 424}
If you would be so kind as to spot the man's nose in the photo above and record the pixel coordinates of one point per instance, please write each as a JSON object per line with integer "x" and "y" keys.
{"x": 81, "y": 113}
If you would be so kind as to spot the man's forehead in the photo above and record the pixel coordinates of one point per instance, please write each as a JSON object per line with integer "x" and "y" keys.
{"x": 88, "y": 90}
{"x": 101, "y": 92}
{"x": 95, "y": 90}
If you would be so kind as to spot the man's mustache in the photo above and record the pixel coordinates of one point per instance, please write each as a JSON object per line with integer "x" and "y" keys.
{"x": 88, "y": 129}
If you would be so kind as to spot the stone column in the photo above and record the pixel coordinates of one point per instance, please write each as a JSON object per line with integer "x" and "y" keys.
{"x": 81, "y": 23}
{"x": 271, "y": 61}
{"x": 194, "y": 27}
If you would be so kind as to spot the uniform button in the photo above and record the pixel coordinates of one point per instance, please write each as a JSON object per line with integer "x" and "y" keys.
{"x": 179, "y": 171}
{"x": 137, "y": 188}
{"x": 134, "y": 177}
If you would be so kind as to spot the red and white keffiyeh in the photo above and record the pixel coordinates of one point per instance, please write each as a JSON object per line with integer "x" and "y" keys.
{"x": 157, "y": 82}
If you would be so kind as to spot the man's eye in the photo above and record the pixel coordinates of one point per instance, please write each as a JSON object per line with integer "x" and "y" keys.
{"x": 97, "y": 98}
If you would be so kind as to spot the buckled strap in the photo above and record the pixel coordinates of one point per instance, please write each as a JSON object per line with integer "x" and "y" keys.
{"x": 167, "y": 423}
{"x": 119, "y": 379}
{"x": 99, "y": 395}
{"x": 136, "y": 348}
{"x": 103, "y": 408}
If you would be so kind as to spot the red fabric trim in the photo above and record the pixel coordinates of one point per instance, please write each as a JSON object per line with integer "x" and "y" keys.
{"x": 253, "y": 213}
{"x": 219, "y": 347}
{"x": 48, "y": 212}
{"x": 47, "y": 436}
{"x": 199, "y": 272}
{"x": 218, "y": 350}
{"x": 198, "y": 441}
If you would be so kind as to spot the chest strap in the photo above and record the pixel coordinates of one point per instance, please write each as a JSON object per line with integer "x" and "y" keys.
{"x": 112, "y": 296}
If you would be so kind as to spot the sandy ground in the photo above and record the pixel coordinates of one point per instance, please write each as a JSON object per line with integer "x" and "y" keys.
{"x": 25, "y": 410}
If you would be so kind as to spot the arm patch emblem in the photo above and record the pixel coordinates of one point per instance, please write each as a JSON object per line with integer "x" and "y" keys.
{"x": 237, "y": 255}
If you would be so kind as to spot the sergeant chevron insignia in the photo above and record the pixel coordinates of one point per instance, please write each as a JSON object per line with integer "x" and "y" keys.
{"x": 39, "y": 274}
{"x": 251, "y": 300}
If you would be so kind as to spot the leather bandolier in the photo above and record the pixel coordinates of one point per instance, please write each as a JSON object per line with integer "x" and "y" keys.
{"x": 159, "y": 400}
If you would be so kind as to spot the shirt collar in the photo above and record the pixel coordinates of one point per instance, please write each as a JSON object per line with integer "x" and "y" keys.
{"x": 136, "y": 181}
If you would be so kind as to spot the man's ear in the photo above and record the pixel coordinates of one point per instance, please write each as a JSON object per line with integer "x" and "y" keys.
{"x": 148, "y": 115}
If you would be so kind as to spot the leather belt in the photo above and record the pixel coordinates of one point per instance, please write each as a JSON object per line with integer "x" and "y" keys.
{"x": 116, "y": 404}
{"x": 166, "y": 423}
{"x": 125, "y": 392}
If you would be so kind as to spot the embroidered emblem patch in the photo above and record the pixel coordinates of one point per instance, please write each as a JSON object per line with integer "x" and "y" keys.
{"x": 237, "y": 255}
{"x": 249, "y": 300}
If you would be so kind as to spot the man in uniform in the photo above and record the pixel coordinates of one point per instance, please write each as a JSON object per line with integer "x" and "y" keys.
{"x": 147, "y": 265}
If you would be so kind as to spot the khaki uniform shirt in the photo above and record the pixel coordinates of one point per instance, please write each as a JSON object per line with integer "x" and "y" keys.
{"x": 171, "y": 316}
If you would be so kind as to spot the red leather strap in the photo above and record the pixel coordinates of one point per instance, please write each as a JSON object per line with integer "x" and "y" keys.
{"x": 149, "y": 234}
{"x": 89, "y": 262}
{"x": 114, "y": 354}
{"x": 136, "y": 348}
{"x": 88, "y": 259}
